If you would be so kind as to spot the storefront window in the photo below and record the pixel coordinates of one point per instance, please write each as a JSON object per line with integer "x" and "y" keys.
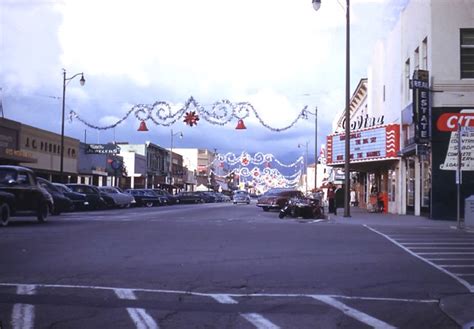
{"x": 410, "y": 182}
{"x": 392, "y": 185}
{"x": 426, "y": 183}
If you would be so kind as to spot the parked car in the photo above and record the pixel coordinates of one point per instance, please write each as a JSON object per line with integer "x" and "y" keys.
{"x": 145, "y": 197}
{"x": 241, "y": 197}
{"x": 170, "y": 198}
{"x": 7, "y": 202}
{"x": 29, "y": 196}
{"x": 224, "y": 197}
{"x": 93, "y": 196}
{"x": 61, "y": 202}
{"x": 116, "y": 197}
{"x": 208, "y": 197}
{"x": 190, "y": 197}
{"x": 79, "y": 200}
{"x": 277, "y": 198}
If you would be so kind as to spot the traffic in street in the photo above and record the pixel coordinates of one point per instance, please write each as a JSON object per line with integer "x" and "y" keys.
{"x": 225, "y": 265}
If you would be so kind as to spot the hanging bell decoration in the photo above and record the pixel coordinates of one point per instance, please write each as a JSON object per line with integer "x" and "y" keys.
{"x": 240, "y": 124}
{"x": 142, "y": 126}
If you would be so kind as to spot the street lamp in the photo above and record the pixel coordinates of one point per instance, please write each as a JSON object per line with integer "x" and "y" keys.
{"x": 316, "y": 6}
{"x": 180, "y": 134}
{"x": 305, "y": 166}
{"x": 82, "y": 81}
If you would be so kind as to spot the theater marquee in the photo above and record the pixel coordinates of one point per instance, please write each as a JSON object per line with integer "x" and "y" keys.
{"x": 368, "y": 144}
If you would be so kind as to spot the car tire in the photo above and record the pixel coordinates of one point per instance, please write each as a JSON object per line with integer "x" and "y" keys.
{"x": 265, "y": 208}
{"x": 4, "y": 214}
{"x": 149, "y": 204}
{"x": 42, "y": 213}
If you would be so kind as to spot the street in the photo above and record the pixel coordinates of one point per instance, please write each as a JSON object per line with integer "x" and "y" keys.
{"x": 221, "y": 265}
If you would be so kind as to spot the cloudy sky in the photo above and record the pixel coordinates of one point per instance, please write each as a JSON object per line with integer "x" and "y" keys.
{"x": 278, "y": 55}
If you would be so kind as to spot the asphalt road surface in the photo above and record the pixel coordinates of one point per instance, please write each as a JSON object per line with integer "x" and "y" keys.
{"x": 224, "y": 266}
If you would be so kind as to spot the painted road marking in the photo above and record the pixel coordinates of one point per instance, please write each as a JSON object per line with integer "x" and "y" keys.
{"x": 193, "y": 293}
{"x": 259, "y": 321}
{"x": 437, "y": 243}
{"x": 139, "y": 316}
{"x": 223, "y": 299}
{"x": 353, "y": 313}
{"x": 256, "y": 319}
{"x": 457, "y": 277}
{"x": 23, "y": 315}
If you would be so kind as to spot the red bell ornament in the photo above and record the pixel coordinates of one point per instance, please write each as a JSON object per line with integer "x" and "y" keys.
{"x": 240, "y": 124}
{"x": 142, "y": 126}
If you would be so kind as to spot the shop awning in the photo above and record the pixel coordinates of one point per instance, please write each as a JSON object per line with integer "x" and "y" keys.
{"x": 369, "y": 165}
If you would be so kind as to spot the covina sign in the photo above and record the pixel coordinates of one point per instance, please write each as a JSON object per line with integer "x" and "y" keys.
{"x": 364, "y": 122}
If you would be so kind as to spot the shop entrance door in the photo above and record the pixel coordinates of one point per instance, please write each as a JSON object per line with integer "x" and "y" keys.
{"x": 410, "y": 184}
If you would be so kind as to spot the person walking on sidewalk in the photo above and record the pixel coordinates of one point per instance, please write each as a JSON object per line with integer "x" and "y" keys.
{"x": 332, "y": 198}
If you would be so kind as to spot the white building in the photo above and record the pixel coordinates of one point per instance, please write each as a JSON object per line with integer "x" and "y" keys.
{"x": 431, "y": 48}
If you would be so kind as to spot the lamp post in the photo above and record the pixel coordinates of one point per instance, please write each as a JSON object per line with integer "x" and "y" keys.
{"x": 305, "y": 166}
{"x": 316, "y": 6}
{"x": 315, "y": 149}
{"x": 66, "y": 80}
{"x": 171, "y": 154}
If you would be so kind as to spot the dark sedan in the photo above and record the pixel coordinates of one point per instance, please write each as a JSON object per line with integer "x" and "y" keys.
{"x": 61, "y": 202}
{"x": 7, "y": 202}
{"x": 170, "y": 198}
{"x": 29, "y": 196}
{"x": 79, "y": 200}
{"x": 145, "y": 197}
{"x": 277, "y": 198}
{"x": 190, "y": 197}
{"x": 92, "y": 193}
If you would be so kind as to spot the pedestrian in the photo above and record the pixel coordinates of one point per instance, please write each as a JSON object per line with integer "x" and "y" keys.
{"x": 332, "y": 198}
{"x": 353, "y": 198}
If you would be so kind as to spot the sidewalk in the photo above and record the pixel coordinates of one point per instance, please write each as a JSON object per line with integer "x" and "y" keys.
{"x": 361, "y": 216}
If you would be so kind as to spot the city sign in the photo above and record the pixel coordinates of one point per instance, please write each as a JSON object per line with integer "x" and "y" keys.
{"x": 450, "y": 121}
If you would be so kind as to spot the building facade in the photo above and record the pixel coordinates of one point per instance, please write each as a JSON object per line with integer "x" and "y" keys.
{"x": 421, "y": 78}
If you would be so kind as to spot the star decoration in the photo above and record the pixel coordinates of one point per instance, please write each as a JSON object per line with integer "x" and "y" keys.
{"x": 191, "y": 118}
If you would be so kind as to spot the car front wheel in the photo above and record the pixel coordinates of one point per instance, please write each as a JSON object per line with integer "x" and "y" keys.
{"x": 149, "y": 204}
{"x": 265, "y": 208}
{"x": 4, "y": 214}
{"x": 42, "y": 213}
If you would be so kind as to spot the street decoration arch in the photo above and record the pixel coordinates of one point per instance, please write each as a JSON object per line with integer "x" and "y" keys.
{"x": 221, "y": 113}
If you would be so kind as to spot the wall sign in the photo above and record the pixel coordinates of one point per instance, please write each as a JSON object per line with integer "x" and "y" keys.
{"x": 448, "y": 122}
{"x": 368, "y": 144}
{"x": 421, "y": 106}
{"x": 103, "y": 149}
{"x": 364, "y": 122}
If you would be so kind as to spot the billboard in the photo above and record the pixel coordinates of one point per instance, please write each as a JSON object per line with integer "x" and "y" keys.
{"x": 444, "y": 152}
{"x": 368, "y": 144}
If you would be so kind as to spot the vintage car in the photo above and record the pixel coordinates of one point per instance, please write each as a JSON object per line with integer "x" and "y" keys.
{"x": 277, "y": 198}
{"x": 241, "y": 197}
{"x": 61, "y": 202}
{"x": 93, "y": 196}
{"x": 7, "y": 202}
{"x": 29, "y": 196}
{"x": 146, "y": 198}
{"x": 116, "y": 198}
{"x": 79, "y": 200}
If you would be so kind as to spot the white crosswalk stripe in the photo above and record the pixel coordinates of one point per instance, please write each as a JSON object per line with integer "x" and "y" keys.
{"x": 437, "y": 249}
{"x": 23, "y": 315}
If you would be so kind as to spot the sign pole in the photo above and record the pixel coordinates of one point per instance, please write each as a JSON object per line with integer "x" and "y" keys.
{"x": 459, "y": 178}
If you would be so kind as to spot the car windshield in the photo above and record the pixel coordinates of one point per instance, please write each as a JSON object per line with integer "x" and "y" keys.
{"x": 63, "y": 188}
{"x": 7, "y": 175}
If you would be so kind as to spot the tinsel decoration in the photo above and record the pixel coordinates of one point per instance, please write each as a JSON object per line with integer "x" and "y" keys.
{"x": 221, "y": 113}
{"x": 258, "y": 159}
